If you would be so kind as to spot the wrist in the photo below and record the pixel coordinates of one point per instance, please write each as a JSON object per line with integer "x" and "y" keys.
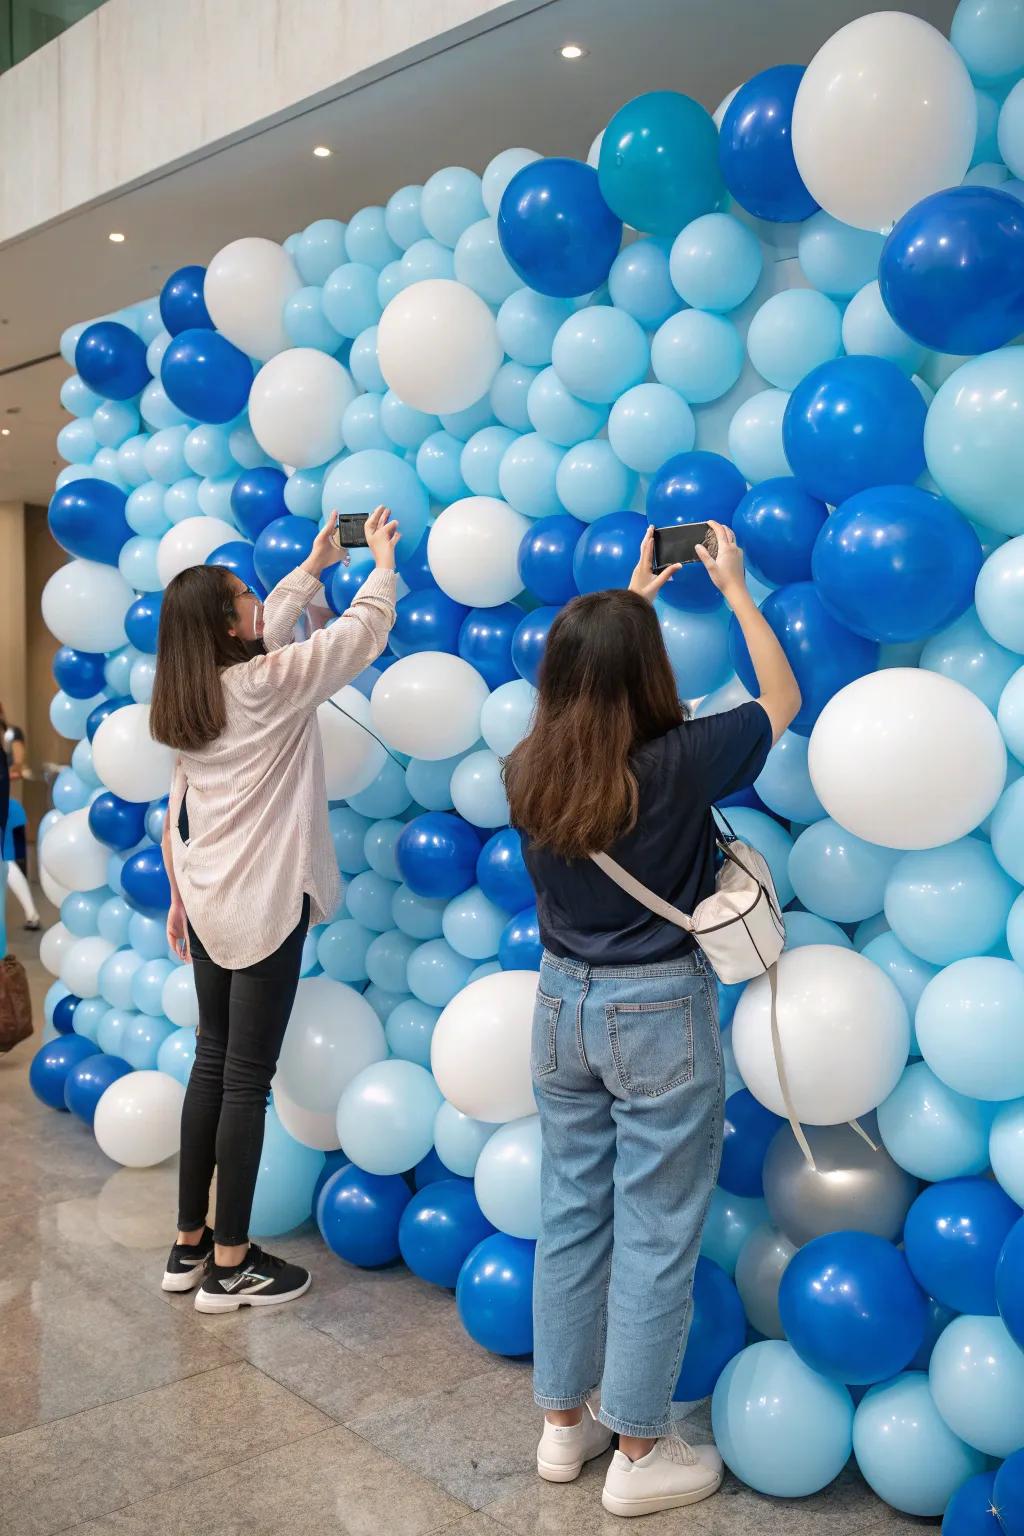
{"x": 736, "y": 594}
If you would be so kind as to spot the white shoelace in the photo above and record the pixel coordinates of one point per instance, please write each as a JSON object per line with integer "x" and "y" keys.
{"x": 675, "y": 1448}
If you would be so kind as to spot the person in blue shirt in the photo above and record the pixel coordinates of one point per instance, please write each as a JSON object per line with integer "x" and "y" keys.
{"x": 626, "y": 1059}
{"x": 16, "y": 879}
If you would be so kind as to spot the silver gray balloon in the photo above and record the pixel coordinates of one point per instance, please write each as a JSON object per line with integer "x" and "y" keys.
{"x": 851, "y": 1188}
{"x": 759, "y": 1270}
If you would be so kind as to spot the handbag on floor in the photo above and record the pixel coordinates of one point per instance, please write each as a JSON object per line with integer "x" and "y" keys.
{"x": 15, "y": 1004}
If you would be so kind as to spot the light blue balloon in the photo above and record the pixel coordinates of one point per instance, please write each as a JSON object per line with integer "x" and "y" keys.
{"x": 976, "y": 1377}
{"x": 715, "y": 262}
{"x": 380, "y": 847}
{"x": 142, "y": 1038}
{"x": 481, "y": 797}
{"x": 341, "y": 950}
{"x": 403, "y": 219}
{"x": 403, "y": 424}
{"x": 130, "y": 462}
{"x": 79, "y": 912}
{"x": 367, "y": 239}
{"x": 117, "y": 671}
{"x": 697, "y": 354}
{"x": 480, "y": 462}
{"x": 507, "y": 1179}
{"x": 307, "y": 323}
{"x": 77, "y": 398}
{"x": 592, "y": 481}
{"x": 421, "y": 917}
{"x": 116, "y": 975}
{"x": 869, "y": 328}
{"x": 1006, "y": 1147}
{"x": 386, "y": 1116}
{"x": 968, "y": 1027}
{"x": 463, "y": 424}
{"x": 144, "y": 510}
{"x": 148, "y": 986}
{"x": 1010, "y": 128}
{"x": 437, "y": 464}
{"x": 1007, "y": 830}
{"x": 319, "y": 249}
{"x": 649, "y": 424}
{"x": 137, "y": 563}
{"x": 390, "y": 282}
{"x": 972, "y": 444}
{"x": 837, "y": 875}
{"x": 409, "y": 1029}
{"x": 361, "y": 427}
{"x": 772, "y": 841}
{"x": 285, "y": 1182}
{"x": 640, "y": 282}
{"x": 804, "y": 928}
{"x": 473, "y": 925}
{"x": 355, "y": 485}
{"x": 482, "y": 265}
{"x": 70, "y": 793}
{"x": 988, "y": 39}
{"x": 348, "y": 832}
{"x": 698, "y": 648}
{"x": 158, "y": 410}
{"x": 949, "y": 902}
{"x": 112, "y": 1031}
{"x": 730, "y": 1221}
{"x": 459, "y": 1140}
{"x": 350, "y": 302}
{"x": 486, "y": 968}
{"x": 792, "y": 333}
{"x": 156, "y": 815}
{"x": 54, "y": 993}
{"x": 436, "y": 973}
{"x": 82, "y": 765}
{"x": 528, "y": 323}
{"x": 384, "y": 1003}
{"x": 755, "y": 436}
{"x": 509, "y": 393}
{"x": 966, "y": 652}
{"x": 142, "y": 679}
{"x": 387, "y": 960}
{"x": 362, "y": 361}
{"x": 304, "y": 489}
{"x": 113, "y": 919}
{"x": 526, "y": 476}
{"x": 76, "y": 441}
{"x": 164, "y": 455}
{"x": 425, "y": 260}
{"x": 784, "y": 783}
{"x": 114, "y": 866}
{"x": 181, "y": 499}
{"x": 147, "y": 935}
{"x": 245, "y": 450}
{"x": 909, "y": 973}
{"x": 506, "y": 716}
{"x": 451, "y": 200}
{"x": 213, "y": 497}
{"x": 88, "y": 1014}
{"x": 114, "y": 421}
{"x": 310, "y": 965}
{"x": 599, "y": 353}
{"x": 1010, "y": 714}
{"x": 105, "y": 466}
{"x": 387, "y": 795}
{"x": 558, "y": 415}
{"x": 867, "y": 931}
{"x": 907, "y": 1453}
{"x": 836, "y": 258}
{"x": 176, "y": 1054}
{"x": 68, "y": 715}
{"x": 155, "y": 351}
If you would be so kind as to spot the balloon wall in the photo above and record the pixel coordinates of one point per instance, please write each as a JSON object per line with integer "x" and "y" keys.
{"x": 800, "y": 317}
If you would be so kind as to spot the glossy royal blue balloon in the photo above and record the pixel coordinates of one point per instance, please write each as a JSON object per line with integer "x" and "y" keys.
{"x": 608, "y": 551}
{"x": 78, "y": 673}
{"x": 282, "y": 546}
{"x": 520, "y": 948}
{"x": 51, "y": 1065}
{"x": 749, "y": 1128}
{"x": 358, "y": 1214}
{"x": 694, "y": 487}
{"x": 206, "y": 376}
{"x": 182, "y": 306}
{"x": 142, "y": 622}
{"x": 111, "y": 359}
{"x": 545, "y": 557}
{"x": 755, "y": 149}
{"x": 972, "y": 1511}
{"x": 427, "y": 620}
{"x": 1009, "y": 1284}
{"x": 486, "y": 642}
{"x": 776, "y": 524}
{"x": 236, "y": 556}
{"x": 145, "y": 882}
{"x": 1009, "y": 1494}
{"x": 89, "y": 1080}
{"x": 104, "y": 709}
{"x": 437, "y": 854}
{"x": 718, "y": 1330}
{"x": 119, "y": 824}
{"x": 501, "y": 871}
{"x": 494, "y": 1295}
{"x": 529, "y": 641}
{"x": 440, "y": 1227}
{"x": 87, "y": 519}
{"x": 64, "y": 1014}
{"x": 555, "y": 228}
{"x": 257, "y": 499}
{"x": 953, "y": 1236}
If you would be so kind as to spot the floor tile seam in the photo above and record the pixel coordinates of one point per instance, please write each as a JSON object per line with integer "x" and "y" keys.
{"x": 113, "y": 1402}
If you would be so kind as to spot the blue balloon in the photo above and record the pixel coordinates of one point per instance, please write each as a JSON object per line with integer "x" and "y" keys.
{"x": 527, "y": 473}
{"x": 284, "y": 1184}
{"x": 501, "y": 871}
{"x": 718, "y": 1331}
{"x": 950, "y": 902}
{"x": 427, "y": 620}
{"x": 282, "y": 546}
{"x": 437, "y": 464}
{"x": 142, "y": 622}
{"x": 1010, "y": 1282}
{"x": 755, "y": 148}
{"x": 481, "y": 456}
{"x": 87, "y": 519}
{"x": 111, "y": 359}
{"x": 658, "y": 166}
{"x": 357, "y": 484}
{"x": 258, "y": 499}
{"x": 520, "y": 948}
{"x": 486, "y": 641}
{"x": 546, "y": 556}
{"x": 437, "y": 854}
{"x": 905, "y": 1449}
{"x": 972, "y": 1509}
{"x": 141, "y": 1041}
{"x": 333, "y": 1163}
{"x": 237, "y": 556}
{"x": 429, "y": 1170}
{"x": 599, "y": 353}
{"x": 359, "y": 1213}
{"x": 206, "y": 376}
{"x": 176, "y": 1054}
{"x": 88, "y": 1081}
{"x": 837, "y": 875}
{"x": 853, "y": 423}
{"x": 693, "y": 488}
{"x": 78, "y": 673}
{"x": 529, "y": 641}
{"x": 440, "y": 1227}
{"x": 494, "y": 1294}
{"x": 104, "y": 709}
{"x": 410, "y": 1028}
{"x": 749, "y": 1127}
{"x": 350, "y": 302}
{"x": 1009, "y": 1487}
{"x": 953, "y": 1236}
{"x": 52, "y": 1065}
{"x": 607, "y": 552}
{"x": 556, "y": 229}
{"x": 145, "y": 882}
{"x": 118, "y": 823}
{"x": 640, "y": 283}
{"x": 182, "y": 307}
{"x": 823, "y": 653}
{"x": 952, "y": 271}
{"x": 776, "y": 524}
{"x": 63, "y": 1018}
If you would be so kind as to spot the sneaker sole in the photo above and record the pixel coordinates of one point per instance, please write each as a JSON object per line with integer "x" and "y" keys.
{"x": 187, "y": 1281}
{"x": 206, "y": 1303}
{"x": 628, "y": 1508}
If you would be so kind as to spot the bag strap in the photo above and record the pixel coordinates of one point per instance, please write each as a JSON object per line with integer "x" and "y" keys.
{"x": 641, "y": 893}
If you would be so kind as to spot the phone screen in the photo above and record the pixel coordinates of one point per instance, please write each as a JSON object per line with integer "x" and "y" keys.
{"x": 677, "y": 545}
{"x": 350, "y": 532}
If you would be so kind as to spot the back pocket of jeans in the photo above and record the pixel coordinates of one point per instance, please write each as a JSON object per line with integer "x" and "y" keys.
{"x": 652, "y": 1045}
{"x": 543, "y": 1055}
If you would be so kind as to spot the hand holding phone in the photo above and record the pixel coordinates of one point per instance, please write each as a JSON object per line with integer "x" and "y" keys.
{"x": 677, "y": 545}
{"x": 350, "y": 531}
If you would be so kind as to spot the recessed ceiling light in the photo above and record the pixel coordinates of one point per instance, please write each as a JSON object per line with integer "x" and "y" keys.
{"x": 321, "y": 151}
{"x": 5, "y": 431}
{"x": 572, "y": 51}
{"x": 116, "y": 236}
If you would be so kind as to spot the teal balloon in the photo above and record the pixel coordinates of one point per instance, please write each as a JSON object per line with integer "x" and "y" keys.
{"x": 387, "y": 960}
{"x": 838, "y": 875}
{"x": 599, "y": 353}
{"x": 906, "y": 1451}
{"x": 700, "y": 355}
{"x": 976, "y": 1377}
{"x": 969, "y": 1027}
{"x": 386, "y": 1116}
{"x": 948, "y": 903}
{"x": 658, "y": 166}
{"x": 966, "y": 652}
{"x": 931, "y": 1130}
{"x": 730, "y": 1221}
{"x": 287, "y": 1176}
{"x": 409, "y": 1030}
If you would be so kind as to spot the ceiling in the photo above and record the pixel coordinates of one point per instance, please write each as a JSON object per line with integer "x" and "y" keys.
{"x": 462, "y": 105}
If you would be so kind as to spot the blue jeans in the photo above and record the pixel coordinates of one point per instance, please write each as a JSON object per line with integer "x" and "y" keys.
{"x": 627, "y": 1070}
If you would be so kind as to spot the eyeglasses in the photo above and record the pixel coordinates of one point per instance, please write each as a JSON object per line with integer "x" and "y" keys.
{"x": 248, "y": 592}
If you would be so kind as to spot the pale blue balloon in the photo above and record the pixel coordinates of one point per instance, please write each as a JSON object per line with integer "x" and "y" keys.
{"x": 526, "y": 475}
{"x": 599, "y": 353}
{"x": 906, "y": 1451}
{"x": 463, "y": 424}
{"x": 976, "y": 1377}
{"x": 147, "y": 936}
{"x": 148, "y": 986}
{"x": 807, "y": 928}
{"x": 367, "y": 239}
{"x": 436, "y": 973}
{"x": 868, "y": 930}
{"x": 69, "y": 339}
{"x": 869, "y": 328}
{"x": 403, "y": 219}
{"x": 137, "y": 563}
{"x": 697, "y": 354}
{"x": 116, "y": 975}
{"x": 390, "y": 282}
{"x": 988, "y": 39}
{"x": 969, "y": 1027}
{"x": 772, "y": 841}
{"x": 500, "y": 171}
{"x": 386, "y": 1116}
{"x": 966, "y": 652}
{"x": 949, "y": 902}
{"x": 558, "y": 415}
{"x": 592, "y": 481}
{"x": 112, "y": 1031}
{"x": 155, "y": 352}
{"x": 106, "y": 466}
{"x": 304, "y": 490}
{"x": 244, "y": 447}
{"x": 486, "y": 968}
{"x": 792, "y": 333}
{"x": 355, "y": 485}
{"x": 142, "y": 1038}
{"x": 715, "y": 262}
{"x": 640, "y": 282}
{"x": 473, "y": 925}
{"x": 459, "y": 1139}
{"x": 176, "y": 1054}
{"x": 81, "y": 763}
{"x": 382, "y": 1002}
{"x": 836, "y": 258}
{"x": 480, "y": 463}
{"x": 76, "y": 441}
{"x": 386, "y": 796}
{"x": 422, "y": 917}
{"x": 164, "y": 455}
{"x": 509, "y": 393}
{"x": 79, "y": 912}
{"x": 506, "y": 716}
{"x": 117, "y": 670}
{"x": 348, "y": 832}
{"x": 1011, "y": 129}
{"x": 54, "y": 993}
{"x": 181, "y": 499}
{"x": 837, "y": 875}
{"x": 387, "y": 960}
{"x": 972, "y": 444}
{"x": 72, "y": 472}
{"x": 409, "y": 1029}
{"x": 144, "y": 510}
{"x": 478, "y": 790}
{"x": 114, "y": 421}
{"x": 319, "y": 249}
{"x": 68, "y": 716}
{"x": 361, "y": 426}
{"x": 649, "y": 424}
{"x": 909, "y": 973}
{"x": 1007, "y": 831}
{"x": 784, "y": 783}
{"x": 88, "y": 1014}
{"x": 482, "y": 265}
{"x": 730, "y": 1221}
{"x": 755, "y": 436}
{"x": 437, "y": 464}
{"x": 507, "y": 1180}
{"x": 1006, "y": 1147}
{"x": 77, "y": 398}
{"x": 1010, "y": 713}
{"x": 285, "y": 1182}
{"x": 424, "y": 261}
{"x": 451, "y": 200}
{"x": 158, "y": 409}
{"x": 130, "y": 461}
{"x": 214, "y": 499}
{"x": 698, "y": 648}
{"x": 310, "y": 965}
{"x": 70, "y": 793}
{"x": 404, "y": 425}
{"x": 363, "y": 363}
{"x": 350, "y": 302}
{"x": 342, "y": 948}
{"x": 307, "y": 322}
{"x": 1015, "y": 930}
{"x": 528, "y": 323}
{"x": 113, "y": 918}
{"x": 380, "y": 847}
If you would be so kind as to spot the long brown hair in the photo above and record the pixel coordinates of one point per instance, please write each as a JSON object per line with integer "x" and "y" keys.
{"x": 606, "y": 687}
{"x": 193, "y": 647}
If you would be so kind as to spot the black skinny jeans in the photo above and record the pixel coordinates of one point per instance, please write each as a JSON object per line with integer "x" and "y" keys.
{"x": 242, "y": 1019}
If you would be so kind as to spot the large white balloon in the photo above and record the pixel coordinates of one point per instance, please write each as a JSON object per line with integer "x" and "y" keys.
{"x": 885, "y": 114}
{"x": 844, "y": 1029}
{"x": 428, "y": 705}
{"x": 332, "y": 1035}
{"x": 189, "y": 543}
{"x": 352, "y": 758}
{"x": 72, "y": 855}
{"x": 246, "y": 287}
{"x": 84, "y": 604}
{"x": 437, "y": 345}
{"x": 53, "y": 946}
{"x": 52, "y": 889}
{"x": 138, "y": 1119}
{"x": 480, "y": 1048}
{"x": 81, "y": 962}
{"x": 473, "y": 551}
{"x": 312, "y": 1127}
{"x": 127, "y": 758}
{"x": 296, "y": 404}
{"x": 907, "y": 758}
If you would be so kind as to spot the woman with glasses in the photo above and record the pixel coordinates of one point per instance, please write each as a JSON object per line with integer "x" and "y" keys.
{"x": 251, "y": 864}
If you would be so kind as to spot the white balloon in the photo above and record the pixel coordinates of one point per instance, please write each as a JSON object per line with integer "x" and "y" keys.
{"x": 189, "y": 543}
{"x": 138, "y": 1119}
{"x": 312, "y": 1127}
{"x": 296, "y": 404}
{"x": 428, "y": 705}
{"x": 507, "y": 1178}
{"x": 178, "y": 998}
{"x": 246, "y": 287}
{"x": 437, "y": 345}
{"x": 84, "y": 604}
{"x": 480, "y": 1048}
{"x": 718, "y": 115}
{"x": 594, "y": 152}
{"x": 53, "y": 946}
{"x": 844, "y": 1029}
{"x": 473, "y": 551}
{"x": 884, "y": 116}
{"x": 72, "y": 855}
{"x": 907, "y": 758}
{"x": 80, "y": 965}
{"x": 332, "y": 1035}
{"x": 127, "y": 758}
{"x": 52, "y": 889}
{"x": 352, "y": 758}
{"x": 499, "y": 173}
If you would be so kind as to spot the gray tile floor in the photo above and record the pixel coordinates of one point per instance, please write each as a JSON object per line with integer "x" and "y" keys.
{"x": 362, "y": 1410}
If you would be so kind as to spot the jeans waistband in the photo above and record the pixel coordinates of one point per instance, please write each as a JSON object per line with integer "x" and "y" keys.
{"x": 687, "y": 965}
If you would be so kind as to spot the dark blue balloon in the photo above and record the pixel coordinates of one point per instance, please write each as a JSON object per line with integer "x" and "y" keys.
{"x": 896, "y": 563}
{"x": 413, "y": 565}
{"x": 332, "y": 1162}
{"x": 437, "y": 854}
{"x": 282, "y": 546}
{"x": 358, "y": 1215}
{"x": 951, "y": 273}
{"x": 851, "y": 1308}
{"x": 87, "y": 1082}
{"x": 87, "y": 519}
{"x": 50, "y": 1066}
{"x": 104, "y": 709}
{"x": 972, "y": 1509}
{"x": 1009, "y": 1494}
{"x": 545, "y": 557}
{"x": 607, "y": 552}
{"x": 755, "y": 149}
{"x": 64, "y": 1014}
{"x": 852, "y": 423}
{"x": 1010, "y": 1283}
{"x": 501, "y": 871}
{"x": 529, "y": 640}
{"x": 428, "y": 620}
{"x": 694, "y": 487}
{"x": 111, "y": 359}
{"x": 346, "y": 580}
{"x": 237, "y": 556}
{"x": 429, "y": 1170}
{"x": 776, "y": 525}
{"x": 953, "y": 1236}
{"x": 718, "y": 1330}
{"x": 206, "y": 376}
{"x": 556, "y": 229}
{"x": 823, "y": 653}
{"x": 142, "y": 622}
{"x": 485, "y": 641}
{"x": 145, "y": 881}
{"x": 749, "y": 1128}
{"x": 78, "y": 673}
{"x": 439, "y": 1229}
{"x": 182, "y": 307}
{"x": 118, "y": 823}
{"x": 520, "y": 948}
{"x": 257, "y": 499}
{"x": 494, "y": 1294}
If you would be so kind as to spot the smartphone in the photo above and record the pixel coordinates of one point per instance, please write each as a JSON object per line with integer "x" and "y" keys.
{"x": 350, "y": 532}
{"x": 678, "y": 545}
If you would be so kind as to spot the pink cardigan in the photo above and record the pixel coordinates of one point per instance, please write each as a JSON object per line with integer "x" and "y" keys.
{"x": 257, "y": 805}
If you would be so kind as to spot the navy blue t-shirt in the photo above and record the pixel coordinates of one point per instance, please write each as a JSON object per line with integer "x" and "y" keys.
{"x": 583, "y": 915}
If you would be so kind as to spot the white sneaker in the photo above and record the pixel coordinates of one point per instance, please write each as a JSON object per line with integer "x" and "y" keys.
{"x": 562, "y": 1452}
{"x": 674, "y": 1473}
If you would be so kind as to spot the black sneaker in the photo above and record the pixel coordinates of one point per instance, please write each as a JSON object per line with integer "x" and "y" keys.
{"x": 32, "y": 926}
{"x": 187, "y": 1263}
{"x": 261, "y": 1280}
